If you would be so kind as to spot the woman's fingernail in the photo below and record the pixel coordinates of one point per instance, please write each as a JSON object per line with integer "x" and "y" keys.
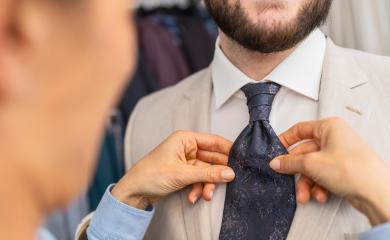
{"x": 228, "y": 174}
{"x": 301, "y": 197}
{"x": 275, "y": 164}
{"x": 211, "y": 194}
{"x": 321, "y": 198}
{"x": 194, "y": 200}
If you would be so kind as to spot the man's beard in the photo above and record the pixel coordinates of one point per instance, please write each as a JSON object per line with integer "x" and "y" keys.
{"x": 235, "y": 23}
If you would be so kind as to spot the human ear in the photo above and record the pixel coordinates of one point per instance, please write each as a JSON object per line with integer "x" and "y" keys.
{"x": 22, "y": 28}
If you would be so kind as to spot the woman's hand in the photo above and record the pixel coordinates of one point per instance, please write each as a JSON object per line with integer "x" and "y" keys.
{"x": 334, "y": 158}
{"x": 183, "y": 159}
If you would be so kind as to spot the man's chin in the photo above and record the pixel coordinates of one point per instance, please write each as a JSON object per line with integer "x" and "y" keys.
{"x": 273, "y": 25}
{"x": 272, "y": 18}
{"x": 271, "y": 9}
{"x": 264, "y": 4}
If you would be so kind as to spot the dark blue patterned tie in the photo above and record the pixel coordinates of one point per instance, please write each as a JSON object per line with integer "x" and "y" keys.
{"x": 259, "y": 203}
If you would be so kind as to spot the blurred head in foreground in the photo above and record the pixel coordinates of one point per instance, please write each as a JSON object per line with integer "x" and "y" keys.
{"x": 63, "y": 64}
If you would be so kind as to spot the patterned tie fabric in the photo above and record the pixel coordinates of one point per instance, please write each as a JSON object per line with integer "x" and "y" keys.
{"x": 259, "y": 204}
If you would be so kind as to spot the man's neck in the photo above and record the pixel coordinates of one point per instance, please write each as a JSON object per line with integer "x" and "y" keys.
{"x": 253, "y": 64}
{"x": 19, "y": 215}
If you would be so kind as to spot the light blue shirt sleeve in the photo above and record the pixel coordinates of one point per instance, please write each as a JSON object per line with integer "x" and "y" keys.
{"x": 44, "y": 234}
{"x": 381, "y": 232}
{"x": 118, "y": 221}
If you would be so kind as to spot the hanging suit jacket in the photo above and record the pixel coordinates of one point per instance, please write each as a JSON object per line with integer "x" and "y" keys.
{"x": 354, "y": 86}
{"x": 161, "y": 53}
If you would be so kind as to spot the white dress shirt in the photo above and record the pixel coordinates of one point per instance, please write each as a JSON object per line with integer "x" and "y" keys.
{"x": 299, "y": 75}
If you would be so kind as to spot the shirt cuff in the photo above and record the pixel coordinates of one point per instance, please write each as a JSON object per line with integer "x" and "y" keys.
{"x": 381, "y": 232}
{"x": 116, "y": 220}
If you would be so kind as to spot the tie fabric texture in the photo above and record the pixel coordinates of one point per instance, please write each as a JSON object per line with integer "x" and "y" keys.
{"x": 260, "y": 203}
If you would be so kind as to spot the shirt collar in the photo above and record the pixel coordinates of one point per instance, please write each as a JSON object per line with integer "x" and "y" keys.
{"x": 300, "y": 71}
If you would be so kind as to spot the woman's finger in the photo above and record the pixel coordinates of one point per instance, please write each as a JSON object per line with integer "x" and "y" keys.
{"x": 299, "y": 132}
{"x": 303, "y": 187}
{"x": 212, "y": 157}
{"x": 293, "y": 164}
{"x": 212, "y": 143}
{"x": 304, "y": 148}
{"x": 320, "y": 194}
{"x": 208, "y": 188}
{"x": 205, "y": 190}
{"x": 195, "y": 193}
{"x": 208, "y": 191}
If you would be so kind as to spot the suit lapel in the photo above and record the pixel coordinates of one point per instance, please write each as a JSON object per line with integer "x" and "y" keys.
{"x": 342, "y": 84}
{"x": 192, "y": 113}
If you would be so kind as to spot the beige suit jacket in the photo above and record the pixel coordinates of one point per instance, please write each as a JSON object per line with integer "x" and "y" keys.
{"x": 354, "y": 86}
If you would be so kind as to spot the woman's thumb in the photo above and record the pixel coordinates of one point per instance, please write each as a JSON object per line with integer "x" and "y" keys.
{"x": 289, "y": 164}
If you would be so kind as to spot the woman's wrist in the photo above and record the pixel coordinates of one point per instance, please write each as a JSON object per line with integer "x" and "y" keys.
{"x": 376, "y": 196}
{"x": 130, "y": 197}
{"x": 373, "y": 211}
{"x": 380, "y": 204}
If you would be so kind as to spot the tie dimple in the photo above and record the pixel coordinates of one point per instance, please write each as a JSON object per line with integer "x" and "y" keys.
{"x": 259, "y": 99}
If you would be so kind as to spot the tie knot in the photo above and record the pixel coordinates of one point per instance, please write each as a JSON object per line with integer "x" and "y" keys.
{"x": 259, "y": 99}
